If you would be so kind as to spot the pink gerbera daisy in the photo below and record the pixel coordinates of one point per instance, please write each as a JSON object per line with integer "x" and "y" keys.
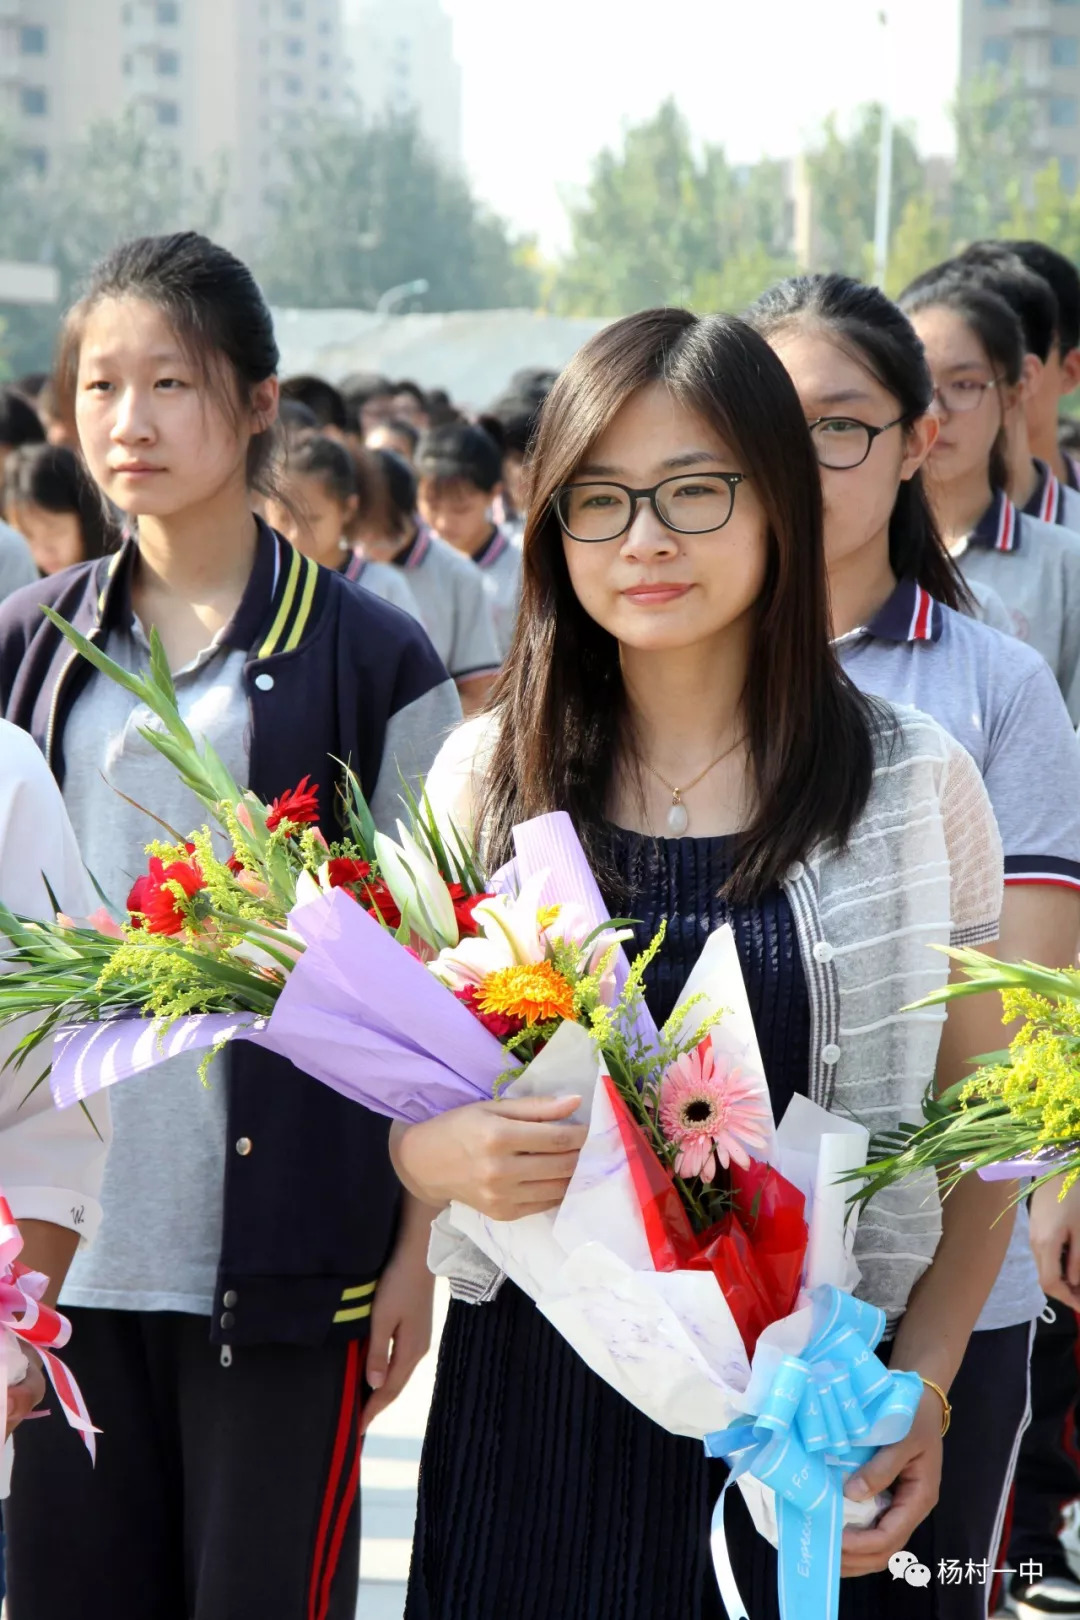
{"x": 711, "y": 1113}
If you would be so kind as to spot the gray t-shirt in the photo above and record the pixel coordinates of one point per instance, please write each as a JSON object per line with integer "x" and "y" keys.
{"x": 160, "y": 1237}
{"x": 384, "y": 581}
{"x": 1035, "y": 569}
{"x": 454, "y": 606}
{"x": 17, "y": 566}
{"x": 989, "y": 608}
{"x": 500, "y": 569}
{"x": 998, "y": 698}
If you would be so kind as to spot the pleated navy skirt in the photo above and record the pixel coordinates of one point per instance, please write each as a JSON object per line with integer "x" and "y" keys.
{"x": 544, "y": 1495}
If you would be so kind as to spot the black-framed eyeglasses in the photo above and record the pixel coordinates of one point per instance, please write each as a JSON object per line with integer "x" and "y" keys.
{"x": 689, "y": 503}
{"x": 843, "y": 442}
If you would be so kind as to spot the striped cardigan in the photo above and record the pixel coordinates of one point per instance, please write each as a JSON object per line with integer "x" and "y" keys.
{"x": 923, "y": 867}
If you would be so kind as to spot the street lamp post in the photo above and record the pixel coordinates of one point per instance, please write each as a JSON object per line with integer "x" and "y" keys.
{"x": 884, "y": 175}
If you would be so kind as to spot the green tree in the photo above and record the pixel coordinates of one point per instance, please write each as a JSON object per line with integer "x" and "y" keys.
{"x": 843, "y": 171}
{"x": 659, "y": 223}
{"x": 994, "y": 120}
{"x": 120, "y": 181}
{"x": 365, "y": 208}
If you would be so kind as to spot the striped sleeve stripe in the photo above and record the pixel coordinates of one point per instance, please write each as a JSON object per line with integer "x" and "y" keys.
{"x": 1042, "y": 869}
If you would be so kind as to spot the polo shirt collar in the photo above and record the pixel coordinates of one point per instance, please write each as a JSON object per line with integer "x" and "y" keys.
{"x": 910, "y": 614}
{"x": 416, "y": 550}
{"x": 999, "y": 527}
{"x": 492, "y": 549}
{"x": 1047, "y": 498}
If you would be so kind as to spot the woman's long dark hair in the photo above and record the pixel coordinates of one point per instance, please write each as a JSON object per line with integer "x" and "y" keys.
{"x": 996, "y": 326}
{"x": 560, "y": 702}
{"x": 873, "y": 331}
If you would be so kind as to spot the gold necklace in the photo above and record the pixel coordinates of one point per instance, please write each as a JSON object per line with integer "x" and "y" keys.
{"x": 678, "y": 816}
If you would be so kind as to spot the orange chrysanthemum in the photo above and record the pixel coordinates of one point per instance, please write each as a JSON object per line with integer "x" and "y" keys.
{"x": 533, "y": 991}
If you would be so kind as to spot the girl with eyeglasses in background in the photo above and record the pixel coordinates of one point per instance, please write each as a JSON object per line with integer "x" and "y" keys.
{"x": 897, "y": 605}
{"x": 975, "y": 350}
{"x": 671, "y": 686}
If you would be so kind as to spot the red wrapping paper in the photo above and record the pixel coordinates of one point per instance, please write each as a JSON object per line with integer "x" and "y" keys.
{"x": 756, "y": 1251}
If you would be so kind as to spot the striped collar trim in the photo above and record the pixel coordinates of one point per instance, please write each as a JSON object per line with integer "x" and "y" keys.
{"x": 416, "y": 550}
{"x": 492, "y": 549}
{"x": 1044, "y": 871}
{"x": 274, "y": 610}
{"x": 999, "y": 527}
{"x": 353, "y": 566}
{"x": 1048, "y": 499}
{"x": 910, "y": 614}
{"x": 1072, "y": 472}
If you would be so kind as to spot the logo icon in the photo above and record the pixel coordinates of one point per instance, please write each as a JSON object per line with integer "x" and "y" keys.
{"x": 904, "y": 1566}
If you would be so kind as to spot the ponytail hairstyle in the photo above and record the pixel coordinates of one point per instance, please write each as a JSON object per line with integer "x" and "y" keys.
{"x": 327, "y": 461}
{"x": 991, "y": 320}
{"x": 870, "y": 329}
{"x": 219, "y": 316}
{"x": 560, "y": 704}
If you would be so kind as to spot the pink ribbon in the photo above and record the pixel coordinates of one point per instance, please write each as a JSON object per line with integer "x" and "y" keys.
{"x": 23, "y": 1314}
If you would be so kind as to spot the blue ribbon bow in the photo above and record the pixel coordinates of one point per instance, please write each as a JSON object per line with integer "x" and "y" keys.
{"x": 825, "y": 1413}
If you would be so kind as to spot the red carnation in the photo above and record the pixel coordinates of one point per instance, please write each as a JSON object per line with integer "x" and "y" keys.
{"x": 501, "y": 1025}
{"x": 299, "y": 806}
{"x": 156, "y": 908}
{"x": 235, "y": 865}
{"x": 375, "y": 896}
{"x": 464, "y": 906}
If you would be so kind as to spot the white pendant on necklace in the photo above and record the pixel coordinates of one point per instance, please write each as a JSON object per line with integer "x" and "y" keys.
{"x": 678, "y": 817}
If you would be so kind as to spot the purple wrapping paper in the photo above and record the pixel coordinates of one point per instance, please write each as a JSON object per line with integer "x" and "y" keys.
{"x": 1015, "y": 1169}
{"x": 550, "y": 844}
{"x": 357, "y": 1011}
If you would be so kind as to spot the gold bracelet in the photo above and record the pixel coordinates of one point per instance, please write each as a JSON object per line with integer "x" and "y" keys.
{"x": 946, "y": 1404}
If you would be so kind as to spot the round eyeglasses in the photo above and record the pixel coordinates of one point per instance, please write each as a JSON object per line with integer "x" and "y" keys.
{"x": 964, "y": 394}
{"x": 690, "y": 503}
{"x": 843, "y": 442}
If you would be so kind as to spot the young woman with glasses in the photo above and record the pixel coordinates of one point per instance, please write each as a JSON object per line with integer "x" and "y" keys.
{"x": 671, "y": 687}
{"x": 975, "y": 349}
{"x": 893, "y": 595}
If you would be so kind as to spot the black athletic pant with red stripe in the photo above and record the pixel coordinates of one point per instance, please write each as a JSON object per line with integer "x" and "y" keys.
{"x": 1048, "y": 1469}
{"x": 221, "y": 1492}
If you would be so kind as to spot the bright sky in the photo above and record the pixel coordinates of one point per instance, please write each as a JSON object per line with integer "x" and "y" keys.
{"x": 548, "y": 83}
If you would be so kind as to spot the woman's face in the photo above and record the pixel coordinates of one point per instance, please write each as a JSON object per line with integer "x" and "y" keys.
{"x": 157, "y": 437}
{"x": 55, "y": 538}
{"x": 833, "y": 383}
{"x": 653, "y": 589}
{"x": 963, "y": 446}
{"x": 314, "y": 519}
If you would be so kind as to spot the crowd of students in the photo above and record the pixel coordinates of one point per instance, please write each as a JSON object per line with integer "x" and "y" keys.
{"x": 822, "y": 564}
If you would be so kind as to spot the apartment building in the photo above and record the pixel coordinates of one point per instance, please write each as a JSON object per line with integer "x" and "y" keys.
{"x": 1037, "y": 42}
{"x": 401, "y": 62}
{"x": 216, "y": 79}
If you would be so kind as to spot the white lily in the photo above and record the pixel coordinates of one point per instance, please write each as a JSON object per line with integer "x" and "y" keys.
{"x": 418, "y": 887}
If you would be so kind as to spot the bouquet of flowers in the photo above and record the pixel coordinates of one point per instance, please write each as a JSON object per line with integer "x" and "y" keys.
{"x": 1018, "y": 1115}
{"x": 701, "y": 1261}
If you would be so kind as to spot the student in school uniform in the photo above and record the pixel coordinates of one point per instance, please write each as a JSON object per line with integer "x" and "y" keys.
{"x": 1061, "y": 373}
{"x": 56, "y": 508}
{"x": 1033, "y": 485}
{"x": 975, "y": 348}
{"x": 894, "y": 594}
{"x": 459, "y": 469}
{"x": 315, "y": 508}
{"x": 449, "y": 590}
{"x": 256, "y": 1261}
